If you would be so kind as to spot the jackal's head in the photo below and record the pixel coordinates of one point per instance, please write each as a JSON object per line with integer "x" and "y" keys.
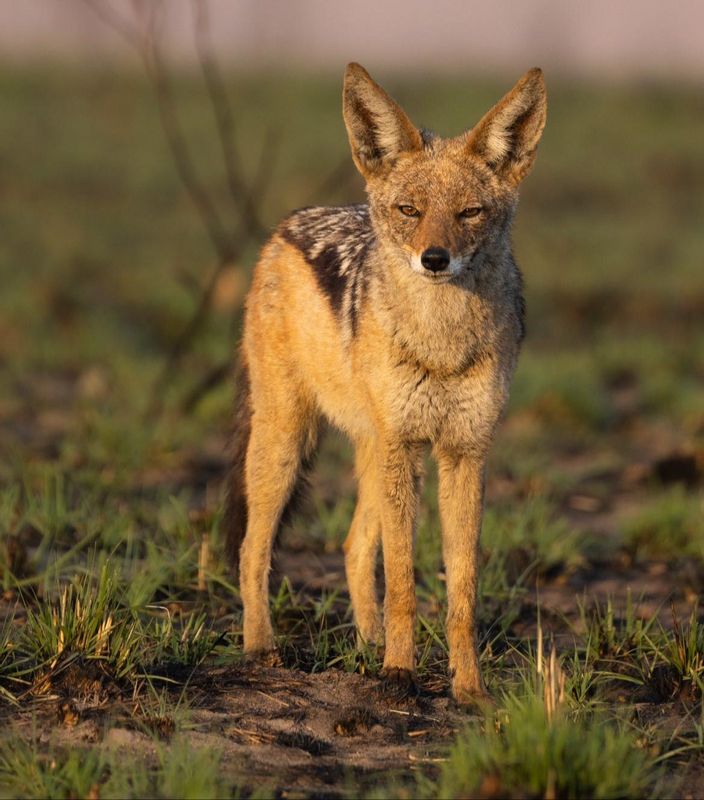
{"x": 440, "y": 203}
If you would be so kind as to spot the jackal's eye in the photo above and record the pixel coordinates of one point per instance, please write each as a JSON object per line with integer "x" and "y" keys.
{"x": 409, "y": 211}
{"x": 470, "y": 212}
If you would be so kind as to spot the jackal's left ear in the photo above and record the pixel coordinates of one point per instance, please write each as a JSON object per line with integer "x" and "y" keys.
{"x": 507, "y": 136}
{"x": 378, "y": 128}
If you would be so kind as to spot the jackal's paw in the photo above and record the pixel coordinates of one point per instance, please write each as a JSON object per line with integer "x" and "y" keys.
{"x": 399, "y": 681}
{"x": 264, "y": 658}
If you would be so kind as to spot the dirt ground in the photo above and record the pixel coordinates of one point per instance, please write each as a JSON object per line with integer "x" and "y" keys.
{"x": 309, "y": 735}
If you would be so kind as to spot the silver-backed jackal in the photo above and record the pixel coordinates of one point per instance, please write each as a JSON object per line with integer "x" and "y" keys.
{"x": 400, "y": 321}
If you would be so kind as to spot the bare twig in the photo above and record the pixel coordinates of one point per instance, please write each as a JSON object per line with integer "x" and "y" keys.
{"x": 221, "y": 240}
{"x": 242, "y": 197}
{"x": 183, "y": 343}
{"x": 145, "y": 40}
{"x": 265, "y": 165}
{"x": 210, "y": 381}
{"x": 340, "y": 175}
{"x": 123, "y": 27}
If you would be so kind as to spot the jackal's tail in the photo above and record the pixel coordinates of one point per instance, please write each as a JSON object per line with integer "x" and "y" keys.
{"x": 235, "y": 520}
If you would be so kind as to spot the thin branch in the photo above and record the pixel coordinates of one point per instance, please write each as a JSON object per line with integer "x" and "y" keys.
{"x": 146, "y": 42}
{"x": 340, "y": 175}
{"x": 265, "y": 166}
{"x": 221, "y": 240}
{"x": 224, "y": 122}
{"x": 184, "y": 339}
{"x": 122, "y": 26}
{"x": 210, "y": 381}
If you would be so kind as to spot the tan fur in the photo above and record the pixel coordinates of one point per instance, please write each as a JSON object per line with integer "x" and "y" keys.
{"x": 426, "y": 361}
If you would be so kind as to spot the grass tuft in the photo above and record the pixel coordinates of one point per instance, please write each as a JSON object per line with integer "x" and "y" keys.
{"x": 678, "y": 668}
{"x": 89, "y": 621}
{"x": 179, "y": 770}
{"x": 26, "y": 771}
{"x": 520, "y": 752}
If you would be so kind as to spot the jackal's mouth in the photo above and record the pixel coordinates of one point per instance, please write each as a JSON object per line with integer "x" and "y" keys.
{"x": 438, "y": 277}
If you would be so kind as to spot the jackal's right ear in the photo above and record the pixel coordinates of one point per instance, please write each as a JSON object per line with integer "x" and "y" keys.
{"x": 507, "y": 136}
{"x": 378, "y": 129}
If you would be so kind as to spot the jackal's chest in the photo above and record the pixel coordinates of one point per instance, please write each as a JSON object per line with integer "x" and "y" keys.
{"x": 456, "y": 411}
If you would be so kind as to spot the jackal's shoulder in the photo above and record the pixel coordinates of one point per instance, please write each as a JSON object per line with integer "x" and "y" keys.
{"x": 335, "y": 241}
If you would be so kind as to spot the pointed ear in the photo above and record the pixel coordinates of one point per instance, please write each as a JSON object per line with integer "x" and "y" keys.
{"x": 507, "y": 137}
{"x": 378, "y": 129}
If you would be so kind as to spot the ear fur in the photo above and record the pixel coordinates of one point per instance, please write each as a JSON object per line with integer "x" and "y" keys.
{"x": 507, "y": 136}
{"x": 378, "y": 129}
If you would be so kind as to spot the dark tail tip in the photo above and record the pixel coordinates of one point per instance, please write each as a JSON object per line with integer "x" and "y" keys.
{"x": 235, "y": 519}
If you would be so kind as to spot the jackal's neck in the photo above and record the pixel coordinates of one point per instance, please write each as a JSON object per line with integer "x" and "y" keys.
{"x": 446, "y": 327}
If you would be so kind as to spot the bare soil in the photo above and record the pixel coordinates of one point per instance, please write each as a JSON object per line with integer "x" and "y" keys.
{"x": 306, "y": 735}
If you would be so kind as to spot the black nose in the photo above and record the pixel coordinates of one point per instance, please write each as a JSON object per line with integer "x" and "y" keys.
{"x": 436, "y": 259}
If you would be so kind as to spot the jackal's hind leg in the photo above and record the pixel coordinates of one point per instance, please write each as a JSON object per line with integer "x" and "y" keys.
{"x": 277, "y": 446}
{"x": 361, "y": 548}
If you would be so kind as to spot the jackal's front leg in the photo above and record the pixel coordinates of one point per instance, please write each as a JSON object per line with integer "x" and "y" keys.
{"x": 398, "y": 502}
{"x": 461, "y": 495}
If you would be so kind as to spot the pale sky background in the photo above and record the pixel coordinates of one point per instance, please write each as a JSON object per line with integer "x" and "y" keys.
{"x": 619, "y": 38}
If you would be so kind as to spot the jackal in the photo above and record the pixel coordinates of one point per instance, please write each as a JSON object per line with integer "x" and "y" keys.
{"x": 400, "y": 321}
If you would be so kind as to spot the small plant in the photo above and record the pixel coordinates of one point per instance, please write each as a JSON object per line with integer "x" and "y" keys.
{"x": 528, "y": 751}
{"x": 180, "y": 771}
{"x": 189, "y": 773}
{"x": 333, "y": 640}
{"x": 158, "y": 714}
{"x": 678, "y": 669}
{"x": 188, "y": 644}
{"x": 610, "y": 635}
{"x": 563, "y": 681}
{"x": 89, "y": 621}
{"x": 582, "y": 679}
{"x": 551, "y": 679}
{"x": 27, "y": 772}
{"x": 11, "y": 666}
